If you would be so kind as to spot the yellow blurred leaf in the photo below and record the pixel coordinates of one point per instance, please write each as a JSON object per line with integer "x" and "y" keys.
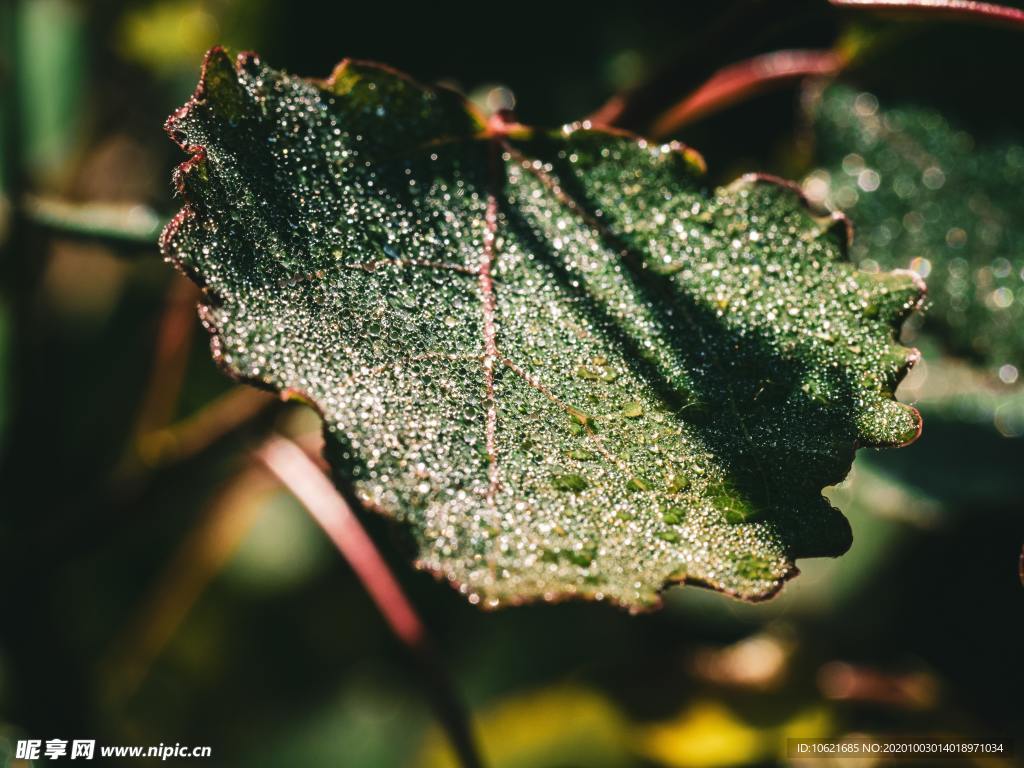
{"x": 165, "y": 36}
{"x": 708, "y": 734}
{"x": 553, "y": 727}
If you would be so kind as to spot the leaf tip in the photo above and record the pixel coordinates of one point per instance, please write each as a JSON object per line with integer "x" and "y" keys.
{"x": 834, "y": 223}
{"x": 694, "y": 159}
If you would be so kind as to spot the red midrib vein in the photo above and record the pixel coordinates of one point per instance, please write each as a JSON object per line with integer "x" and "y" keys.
{"x": 487, "y": 297}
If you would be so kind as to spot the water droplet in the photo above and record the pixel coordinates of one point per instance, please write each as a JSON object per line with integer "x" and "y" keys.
{"x": 636, "y": 483}
{"x": 678, "y": 483}
{"x": 569, "y": 482}
{"x": 633, "y": 409}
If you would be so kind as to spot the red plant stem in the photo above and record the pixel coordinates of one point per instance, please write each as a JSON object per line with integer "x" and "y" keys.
{"x": 195, "y": 433}
{"x": 1020, "y": 566}
{"x": 490, "y": 345}
{"x": 311, "y": 487}
{"x": 314, "y": 490}
{"x": 738, "y": 29}
{"x": 732, "y": 84}
{"x": 738, "y": 81}
{"x": 611, "y": 112}
{"x": 957, "y": 10}
{"x": 173, "y": 341}
{"x": 198, "y": 560}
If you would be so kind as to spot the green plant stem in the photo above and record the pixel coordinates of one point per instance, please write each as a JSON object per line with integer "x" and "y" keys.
{"x": 314, "y": 490}
{"x": 119, "y": 224}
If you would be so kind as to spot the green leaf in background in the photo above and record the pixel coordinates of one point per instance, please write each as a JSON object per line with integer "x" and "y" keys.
{"x": 930, "y": 197}
{"x": 555, "y": 357}
{"x": 52, "y": 76}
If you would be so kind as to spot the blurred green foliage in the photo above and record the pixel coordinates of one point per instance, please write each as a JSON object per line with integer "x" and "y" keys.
{"x": 928, "y": 197}
{"x": 179, "y": 595}
{"x": 51, "y": 59}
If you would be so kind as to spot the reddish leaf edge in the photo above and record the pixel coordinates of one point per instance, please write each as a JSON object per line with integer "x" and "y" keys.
{"x": 953, "y": 10}
{"x": 499, "y": 126}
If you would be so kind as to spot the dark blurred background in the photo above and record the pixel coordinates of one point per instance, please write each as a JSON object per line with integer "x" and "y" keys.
{"x": 158, "y": 587}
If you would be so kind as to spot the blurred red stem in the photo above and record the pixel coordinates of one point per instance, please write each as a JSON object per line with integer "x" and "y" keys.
{"x": 311, "y": 487}
{"x": 194, "y": 434}
{"x": 173, "y": 341}
{"x": 314, "y": 490}
{"x": 957, "y": 10}
{"x": 741, "y": 80}
{"x": 740, "y": 28}
{"x": 736, "y": 82}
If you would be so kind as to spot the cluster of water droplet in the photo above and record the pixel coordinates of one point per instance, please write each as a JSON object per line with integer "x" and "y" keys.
{"x": 566, "y": 367}
{"x": 928, "y": 197}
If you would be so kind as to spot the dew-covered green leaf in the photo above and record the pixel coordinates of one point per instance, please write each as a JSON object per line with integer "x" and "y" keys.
{"x": 928, "y": 196}
{"x": 563, "y": 364}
